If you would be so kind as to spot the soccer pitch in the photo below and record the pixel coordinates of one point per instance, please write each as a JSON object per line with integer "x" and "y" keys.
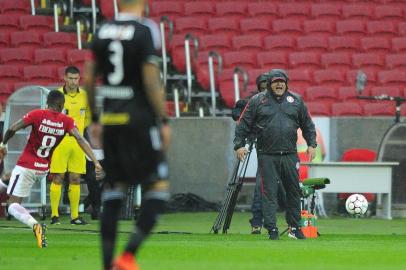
{"x": 345, "y": 243}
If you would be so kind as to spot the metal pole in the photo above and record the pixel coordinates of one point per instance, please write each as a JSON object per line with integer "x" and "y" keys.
{"x": 138, "y": 199}
{"x": 188, "y": 70}
{"x": 56, "y": 21}
{"x": 71, "y": 10}
{"x": 236, "y": 87}
{"x": 176, "y": 100}
{"x": 32, "y": 7}
{"x": 164, "y": 56}
{"x": 201, "y": 112}
{"x": 79, "y": 34}
{"x": 115, "y": 9}
{"x": 94, "y": 15}
{"x": 212, "y": 86}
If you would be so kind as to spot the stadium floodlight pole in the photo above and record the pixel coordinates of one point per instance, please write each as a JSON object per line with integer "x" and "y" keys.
{"x": 237, "y": 71}
{"x": 32, "y": 7}
{"x": 79, "y": 34}
{"x": 115, "y": 6}
{"x": 94, "y": 19}
{"x": 189, "y": 37}
{"x": 213, "y": 54}
{"x": 56, "y": 21}
{"x": 165, "y": 19}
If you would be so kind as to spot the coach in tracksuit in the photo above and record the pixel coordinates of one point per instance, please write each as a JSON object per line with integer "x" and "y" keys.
{"x": 275, "y": 115}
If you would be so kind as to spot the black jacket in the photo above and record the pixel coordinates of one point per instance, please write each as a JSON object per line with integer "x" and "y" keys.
{"x": 275, "y": 121}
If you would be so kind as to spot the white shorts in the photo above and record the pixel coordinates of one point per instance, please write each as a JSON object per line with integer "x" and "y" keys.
{"x": 22, "y": 179}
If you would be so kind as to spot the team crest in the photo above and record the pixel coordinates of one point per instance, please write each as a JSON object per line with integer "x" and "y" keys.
{"x": 290, "y": 99}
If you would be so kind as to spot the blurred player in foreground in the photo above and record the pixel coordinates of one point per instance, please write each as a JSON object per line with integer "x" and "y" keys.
{"x": 49, "y": 126}
{"x": 135, "y": 129}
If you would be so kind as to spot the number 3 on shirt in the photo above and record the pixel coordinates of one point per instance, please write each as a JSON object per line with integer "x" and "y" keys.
{"x": 46, "y": 145}
{"x": 116, "y": 59}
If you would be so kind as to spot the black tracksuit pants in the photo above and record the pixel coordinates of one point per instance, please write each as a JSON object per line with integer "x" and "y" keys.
{"x": 274, "y": 169}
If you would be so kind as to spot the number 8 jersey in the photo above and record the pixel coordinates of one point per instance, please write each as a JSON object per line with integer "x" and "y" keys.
{"x": 48, "y": 129}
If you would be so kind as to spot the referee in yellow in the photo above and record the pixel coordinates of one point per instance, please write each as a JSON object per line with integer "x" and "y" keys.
{"x": 68, "y": 157}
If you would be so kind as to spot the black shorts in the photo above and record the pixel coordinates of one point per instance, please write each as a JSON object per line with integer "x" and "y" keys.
{"x": 133, "y": 155}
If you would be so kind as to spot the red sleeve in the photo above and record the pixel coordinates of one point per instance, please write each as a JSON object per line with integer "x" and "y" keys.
{"x": 70, "y": 124}
{"x": 30, "y": 117}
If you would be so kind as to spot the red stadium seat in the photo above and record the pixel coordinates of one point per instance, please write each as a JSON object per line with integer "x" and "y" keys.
{"x": 227, "y": 93}
{"x": 219, "y": 43}
{"x": 253, "y": 74}
{"x": 333, "y": 78}
{"x": 399, "y": 45}
{"x": 351, "y": 28}
{"x": 202, "y": 70}
{"x": 271, "y": 60}
{"x": 396, "y": 61}
{"x": 25, "y": 39}
{"x": 40, "y": 24}
{"x": 227, "y": 74}
{"x": 10, "y": 73}
{"x": 346, "y": 109}
{"x": 321, "y": 93}
{"x": 172, "y": 9}
{"x": 375, "y": 45}
{"x": 323, "y": 28}
{"x": 255, "y": 26}
{"x": 300, "y": 79}
{"x": 252, "y": 43}
{"x": 391, "y": 78}
{"x": 328, "y": 11}
{"x": 356, "y": 11}
{"x": 287, "y": 27}
{"x": 312, "y": 44}
{"x": 318, "y": 108}
{"x": 107, "y": 9}
{"x": 381, "y": 109}
{"x": 263, "y": 9}
{"x": 305, "y": 60}
{"x": 59, "y": 40}
{"x": 5, "y": 88}
{"x": 368, "y": 61}
{"x": 385, "y": 90}
{"x": 4, "y": 39}
{"x": 42, "y": 75}
{"x": 294, "y": 10}
{"x": 178, "y": 52}
{"x": 279, "y": 43}
{"x": 16, "y": 7}
{"x": 205, "y": 8}
{"x": 19, "y": 56}
{"x": 242, "y": 59}
{"x": 234, "y": 8}
{"x": 402, "y": 28}
{"x": 191, "y": 25}
{"x": 349, "y": 93}
{"x": 78, "y": 57}
{"x": 50, "y": 56}
{"x": 389, "y": 13}
{"x": 381, "y": 29}
{"x": 336, "y": 60}
{"x": 9, "y": 22}
{"x": 343, "y": 44}
{"x": 224, "y": 25}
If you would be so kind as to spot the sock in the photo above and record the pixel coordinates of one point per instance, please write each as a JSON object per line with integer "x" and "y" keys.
{"x": 111, "y": 210}
{"x": 74, "y": 198}
{"x": 150, "y": 210}
{"x": 3, "y": 187}
{"x": 21, "y": 214}
{"x": 55, "y": 191}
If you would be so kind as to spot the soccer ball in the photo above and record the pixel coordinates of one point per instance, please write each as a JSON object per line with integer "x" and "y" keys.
{"x": 356, "y": 204}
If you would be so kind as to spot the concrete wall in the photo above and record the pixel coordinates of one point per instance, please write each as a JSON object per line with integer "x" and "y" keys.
{"x": 201, "y": 156}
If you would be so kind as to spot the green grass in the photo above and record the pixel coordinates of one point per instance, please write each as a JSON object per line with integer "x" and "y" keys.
{"x": 345, "y": 243}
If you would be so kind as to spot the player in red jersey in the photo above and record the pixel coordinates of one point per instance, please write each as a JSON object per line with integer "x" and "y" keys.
{"x": 49, "y": 126}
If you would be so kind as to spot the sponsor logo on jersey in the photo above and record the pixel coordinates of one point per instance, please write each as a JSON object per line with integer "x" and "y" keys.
{"x": 41, "y": 165}
{"x": 52, "y": 124}
{"x": 50, "y": 130}
{"x": 121, "y": 32}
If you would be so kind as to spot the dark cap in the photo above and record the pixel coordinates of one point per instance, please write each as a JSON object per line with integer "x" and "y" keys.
{"x": 278, "y": 74}
{"x": 262, "y": 78}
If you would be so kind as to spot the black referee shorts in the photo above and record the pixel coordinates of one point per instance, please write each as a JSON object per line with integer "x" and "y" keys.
{"x": 133, "y": 155}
